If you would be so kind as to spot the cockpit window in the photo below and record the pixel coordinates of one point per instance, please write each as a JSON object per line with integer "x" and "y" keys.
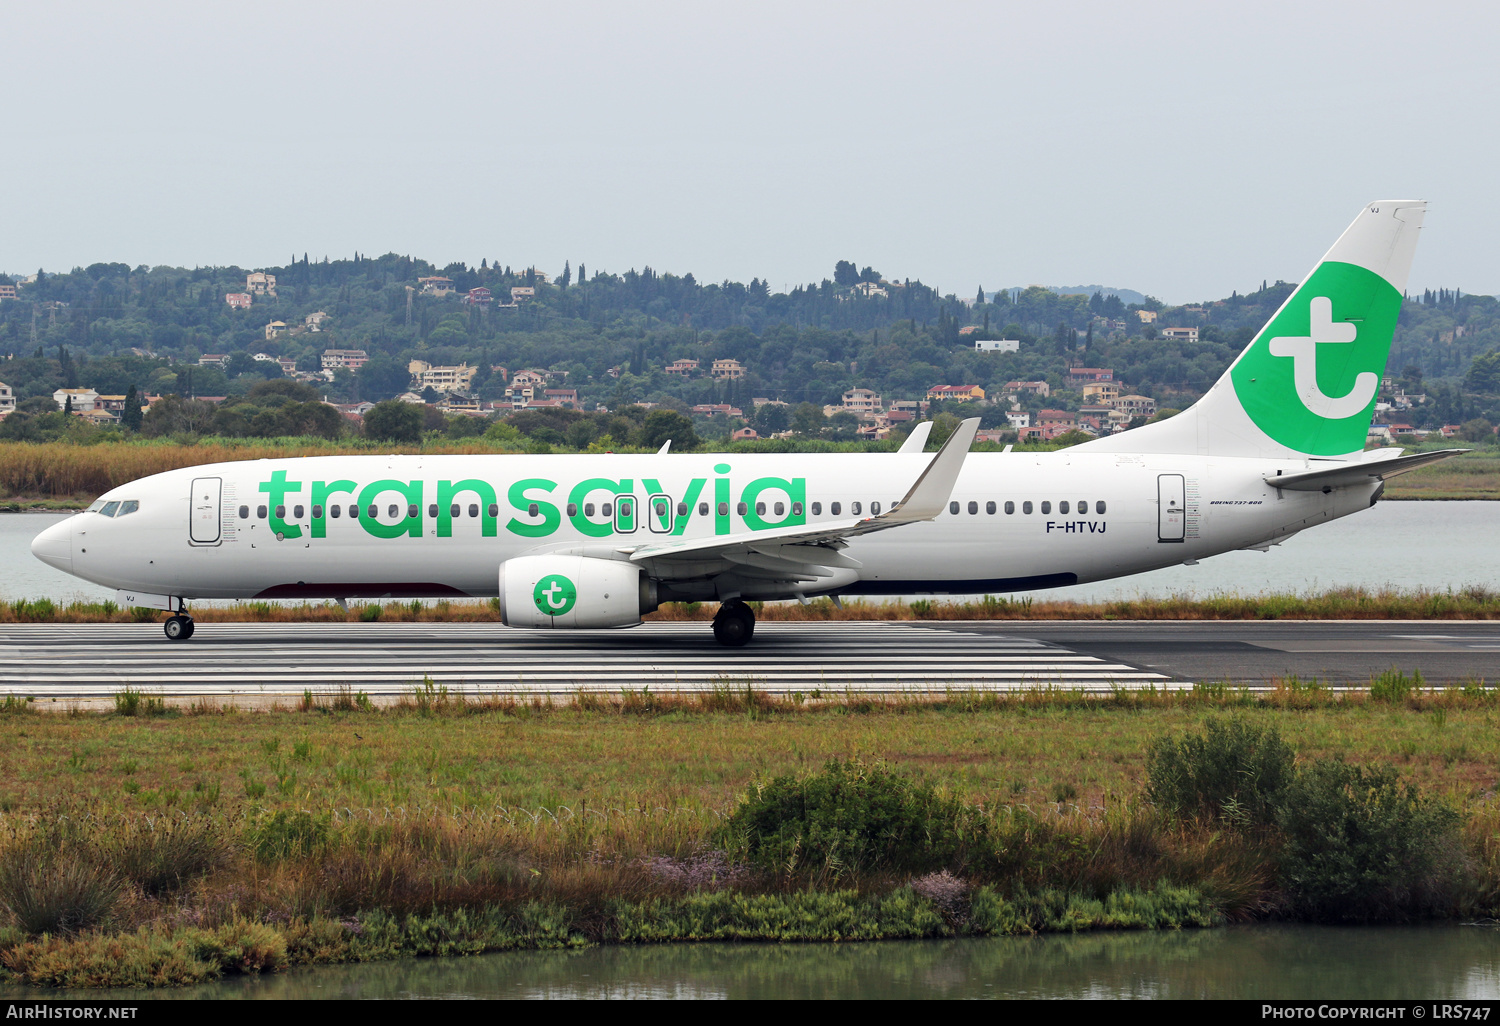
{"x": 127, "y": 507}
{"x": 96, "y": 507}
{"x": 110, "y": 508}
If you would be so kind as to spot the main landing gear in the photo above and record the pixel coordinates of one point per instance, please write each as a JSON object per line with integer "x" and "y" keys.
{"x": 734, "y": 624}
{"x": 179, "y": 627}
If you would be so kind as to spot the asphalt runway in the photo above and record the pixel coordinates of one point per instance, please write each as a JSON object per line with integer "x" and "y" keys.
{"x": 92, "y": 661}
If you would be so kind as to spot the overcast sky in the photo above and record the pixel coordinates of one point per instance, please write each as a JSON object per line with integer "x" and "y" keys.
{"x": 1180, "y": 149}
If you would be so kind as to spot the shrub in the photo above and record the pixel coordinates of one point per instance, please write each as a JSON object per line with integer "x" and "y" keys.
{"x": 290, "y": 835}
{"x": 854, "y": 816}
{"x": 48, "y": 888}
{"x": 1394, "y": 686}
{"x": 1234, "y": 771}
{"x": 164, "y": 859}
{"x": 1360, "y": 845}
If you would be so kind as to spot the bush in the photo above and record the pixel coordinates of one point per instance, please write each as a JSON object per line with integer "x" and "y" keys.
{"x": 857, "y": 817}
{"x": 166, "y": 858}
{"x": 290, "y": 835}
{"x": 1359, "y": 845}
{"x": 1234, "y": 771}
{"x": 48, "y": 888}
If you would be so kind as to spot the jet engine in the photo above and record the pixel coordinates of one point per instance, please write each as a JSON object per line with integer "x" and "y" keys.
{"x": 573, "y": 592}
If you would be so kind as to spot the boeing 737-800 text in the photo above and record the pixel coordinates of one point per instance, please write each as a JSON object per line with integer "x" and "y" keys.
{"x": 589, "y": 541}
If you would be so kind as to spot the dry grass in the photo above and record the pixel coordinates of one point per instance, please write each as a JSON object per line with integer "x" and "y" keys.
{"x": 1470, "y": 603}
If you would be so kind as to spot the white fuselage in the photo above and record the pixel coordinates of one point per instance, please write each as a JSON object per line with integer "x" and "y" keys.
{"x": 213, "y": 531}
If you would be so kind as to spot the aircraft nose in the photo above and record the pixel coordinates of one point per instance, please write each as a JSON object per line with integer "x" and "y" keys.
{"x": 54, "y": 546}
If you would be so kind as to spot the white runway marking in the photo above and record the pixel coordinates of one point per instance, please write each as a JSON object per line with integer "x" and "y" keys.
{"x": 86, "y": 660}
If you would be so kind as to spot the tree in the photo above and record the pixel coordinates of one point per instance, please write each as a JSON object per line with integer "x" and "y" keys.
{"x": 808, "y": 419}
{"x": 381, "y": 377}
{"x": 662, "y": 425}
{"x": 130, "y": 416}
{"x": 394, "y": 421}
{"x": 845, "y": 274}
{"x": 979, "y": 299}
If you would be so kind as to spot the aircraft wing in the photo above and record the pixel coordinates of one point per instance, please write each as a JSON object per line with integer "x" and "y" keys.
{"x": 1382, "y": 464}
{"x": 806, "y": 552}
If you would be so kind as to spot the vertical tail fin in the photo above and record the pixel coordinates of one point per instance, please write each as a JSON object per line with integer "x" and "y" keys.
{"x": 1307, "y": 385}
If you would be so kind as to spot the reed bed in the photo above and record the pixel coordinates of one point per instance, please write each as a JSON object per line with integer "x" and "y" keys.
{"x": 60, "y": 470}
{"x": 1468, "y": 603}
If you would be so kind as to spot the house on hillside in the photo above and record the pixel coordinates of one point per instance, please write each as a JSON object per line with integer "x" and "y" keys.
{"x": 1180, "y": 334}
{"x": 238, "y": 300}
{"x": 436, "y": 285}
{"x": 261, "y": 284}
{"x": 83, "y": 399}
{"x": 726, "y": 370}
{"x": 956, "y": 393}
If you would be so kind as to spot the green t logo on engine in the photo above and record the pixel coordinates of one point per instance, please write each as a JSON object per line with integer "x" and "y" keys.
{"x": 555, "y": 594}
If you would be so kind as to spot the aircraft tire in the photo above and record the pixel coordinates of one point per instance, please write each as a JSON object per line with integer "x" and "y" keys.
{"x": 178, "y": 628}
{"x": 734, "y": 625}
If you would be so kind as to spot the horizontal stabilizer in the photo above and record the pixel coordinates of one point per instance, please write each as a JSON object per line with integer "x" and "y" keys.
{"x": 1375, "y": 465}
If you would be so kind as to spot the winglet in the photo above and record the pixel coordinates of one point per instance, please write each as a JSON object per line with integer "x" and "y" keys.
{"x": 665, "y": 446}
{"x": 929, "y": 495}
{"x": 917, "y": 440}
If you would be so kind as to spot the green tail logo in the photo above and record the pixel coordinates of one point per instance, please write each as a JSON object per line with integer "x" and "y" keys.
{"x": 1310, "y": 378}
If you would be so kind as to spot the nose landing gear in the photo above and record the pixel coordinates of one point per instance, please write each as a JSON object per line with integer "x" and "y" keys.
{"x": 734, "y": 624}
{"x": 179, "y": 627}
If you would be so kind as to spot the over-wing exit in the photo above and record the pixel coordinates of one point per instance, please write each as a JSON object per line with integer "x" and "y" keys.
{"x": 595, "y": 541}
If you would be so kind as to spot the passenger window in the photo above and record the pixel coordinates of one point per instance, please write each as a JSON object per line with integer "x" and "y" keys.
{"x": 817, "y": 509}
{"x": 1062, "y": 507}
{"x": 834, "y": 508}
{"x": 661, "y": 510}
{"x": 432, "y": 510}
{"x": 1010, "y": 508}
{"x": 973, "y": 507}
{"x": 989, "y": 507}
{"x": 494, "y": 509}
{"x": 953, "y": 508}
{"x": 412, "y": 511}
{"x": 572, "y": 509}
{"x": 335, "y": 511}
{"x": 703, "y": 509}
{"x": 741, "y": 508}
{"x": 110, "y": 508}
{"x": 317, "y": 512}
{"x": 393, "y": 511}
{"x": 875, "y": 509}
{"x": 854, "y": 508}
{"x": 354, "y": 511}
{"x": 588, "y": 509}
{"x": 760, "y": 509}
{"x": 280, "y": 512}
{"x": 1099, "y": 506}
{"x": 723, "y": 509}
{"x": 682, "y": 509}
{"x": 796, "y": 509}
{"x": 373, "y": 512}
{"x": 297, "y": 512}
{"x": 1083, "y": 506}
{"x": 531, "y": 510}
{"x": 1046, "y": 506}
{"x": 260, "y": 512}
{"x": 1026, "y": 507}
{"x": 608, "y": 509}
{"x": 244, "y": 512}
{"x": 625, "y": 507}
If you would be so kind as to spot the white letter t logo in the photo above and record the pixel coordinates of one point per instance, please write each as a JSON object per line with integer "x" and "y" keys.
{"x": 1304, "y": 353}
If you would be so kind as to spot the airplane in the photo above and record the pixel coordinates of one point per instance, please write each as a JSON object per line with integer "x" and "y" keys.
{"x": 1275, "y": 447}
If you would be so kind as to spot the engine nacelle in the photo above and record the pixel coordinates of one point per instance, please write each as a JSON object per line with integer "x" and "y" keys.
{"x": 573, "y": 592}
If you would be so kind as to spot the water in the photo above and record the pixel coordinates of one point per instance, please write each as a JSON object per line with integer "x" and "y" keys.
{"x": 1402, "y": 544}
{"x": 1250, "y": 962}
